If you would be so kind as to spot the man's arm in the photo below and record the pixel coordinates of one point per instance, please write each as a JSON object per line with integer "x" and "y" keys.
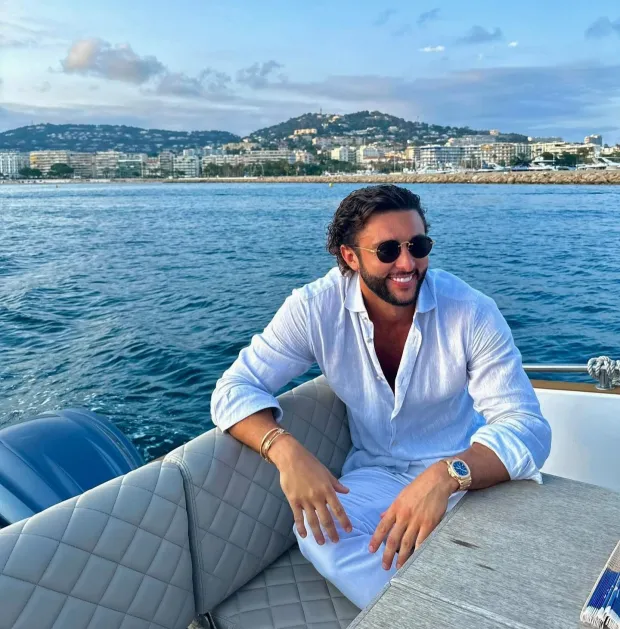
{"x": 515, "y": 430}
{"x": 513, "y": 444}
{"x": 273, "y": 358}
{"x": 244, "y": 404}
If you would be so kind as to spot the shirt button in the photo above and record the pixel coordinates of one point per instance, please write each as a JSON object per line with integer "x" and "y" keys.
{"x": 368, "y": 340}
{"x": 379, "y": 378}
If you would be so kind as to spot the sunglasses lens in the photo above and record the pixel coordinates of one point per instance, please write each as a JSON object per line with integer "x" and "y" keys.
{"x": 420, "y": 246}
{"x": 388, "y": 251}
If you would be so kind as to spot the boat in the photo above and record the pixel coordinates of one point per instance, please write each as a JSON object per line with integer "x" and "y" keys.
{"x": 203, "y": 535}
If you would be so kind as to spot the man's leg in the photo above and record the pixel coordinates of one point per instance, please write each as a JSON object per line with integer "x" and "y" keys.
{"x": 348, "y": 563}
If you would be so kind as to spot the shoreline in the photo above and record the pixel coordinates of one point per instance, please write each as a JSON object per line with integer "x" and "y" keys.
{"x": 582, "y": 177}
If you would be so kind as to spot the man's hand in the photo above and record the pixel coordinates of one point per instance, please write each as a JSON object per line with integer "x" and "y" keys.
{"x": 309, "y": 488}
{"x": 414, "y": 514}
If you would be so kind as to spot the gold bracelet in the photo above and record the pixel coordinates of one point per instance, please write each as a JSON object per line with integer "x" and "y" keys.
{"x": 269, "y": 442}
{"x": 260, "y": 450}
{"x": 278, "y": 434}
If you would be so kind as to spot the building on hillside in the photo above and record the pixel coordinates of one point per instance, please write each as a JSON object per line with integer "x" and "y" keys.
{"x": 436, "y": 156}
{"x": 305, "y": 132}
{"x": 557, "y": 148}
{"x": 611, "y": 150}
{"x": 502, "y": 153}
{"x": 469, "y": 140}
{"x": 344, "y": 154}
{"x": 44, "y": 160}
{"x": 166, "y": 163}
{"x": 303, "y": 157}
{"x": 494, "y": 132}
{"x": 322, "y": 143}
{"x": 83, "y": 164}
{"x": 11, "y": 162}
{"x": 106, "y": 163}
{"x": 152, "y": 167}
{"x": 369, "y": 154}
{"x": 130, "y": 166}
{"x": 253, "y": 157}
{"x": 186, "y": 166}
{"x": 596, "y": 138}
{"x": 276, "y": 155}
{"x": 236, "y": 146}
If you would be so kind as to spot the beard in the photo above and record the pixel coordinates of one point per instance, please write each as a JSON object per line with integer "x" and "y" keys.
{"x": 380, "y": 287}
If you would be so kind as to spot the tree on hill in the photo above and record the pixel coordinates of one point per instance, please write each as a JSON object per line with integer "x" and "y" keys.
{"x": 30, "y": 173}
{"x": 60, "y": 171}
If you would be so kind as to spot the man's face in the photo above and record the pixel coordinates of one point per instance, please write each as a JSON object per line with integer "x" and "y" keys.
{"x": 386, "y": 280}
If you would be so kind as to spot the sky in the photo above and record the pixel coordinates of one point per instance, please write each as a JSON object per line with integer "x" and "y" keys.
{"x": 543, "y": 67}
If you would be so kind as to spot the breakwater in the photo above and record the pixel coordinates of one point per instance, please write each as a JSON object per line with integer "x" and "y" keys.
{"x": 569, "y": 177}
{"x": 572, "y": 177}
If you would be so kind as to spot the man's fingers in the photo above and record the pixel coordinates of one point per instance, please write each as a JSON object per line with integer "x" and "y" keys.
{"x": 407, "y": 544}
{"x": 298, "y": 514}
{"x": 339, "y": 487}
{"x": 381, "y": 531}
{"x": 425, "y": 531}
{"x": 327, "y": 522}
{"x": 339, "y": 513}
{"x": 393, "y": 543}
{"x": 313, "y": 522}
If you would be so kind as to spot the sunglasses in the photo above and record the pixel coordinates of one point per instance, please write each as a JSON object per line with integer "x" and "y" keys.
{"x": 388, "y": 251}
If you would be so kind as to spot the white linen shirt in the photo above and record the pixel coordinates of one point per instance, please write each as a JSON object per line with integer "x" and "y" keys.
{"x": 460, "y": 379}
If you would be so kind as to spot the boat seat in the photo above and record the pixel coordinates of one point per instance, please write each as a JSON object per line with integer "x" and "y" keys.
{"x": 289, "y": 594}
{"x": 241, "y": 525}
{"x": 114, "y": 557}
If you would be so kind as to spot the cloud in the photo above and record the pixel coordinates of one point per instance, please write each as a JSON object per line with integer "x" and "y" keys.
{"x": 207, "y": 83}
{"x": 46, "y": 86}
{"x": 402, "y": 30}
{"x": 480, "y": 35}
{"x": 553, "y": 100}
{"x": 383, "y": 17}
{"x": 257, "y": 75}
{"x": 19, "y": 32}
{"x": 433, "y": 49}
{"x": 513, "y": 44}
{"x": 96, "y": 57}
{"x": 428, "y": 16}
{"x": 535, "y": 100}
{"x": 603, "y": 27}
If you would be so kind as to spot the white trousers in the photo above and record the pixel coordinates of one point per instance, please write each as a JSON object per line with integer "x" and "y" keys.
{"x": 348, "y": 563}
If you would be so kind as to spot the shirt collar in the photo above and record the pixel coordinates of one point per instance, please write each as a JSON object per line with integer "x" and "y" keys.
{"x": 354, "y": 300}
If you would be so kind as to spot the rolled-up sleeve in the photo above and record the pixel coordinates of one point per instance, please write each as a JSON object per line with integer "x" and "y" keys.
{"x": 273, "y": 358}
{"x": 503, "y": 394}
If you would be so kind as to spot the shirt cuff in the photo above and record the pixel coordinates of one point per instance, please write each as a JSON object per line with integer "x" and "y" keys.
{"x": 240, "y": 403}
{"x": 510, "y": 450}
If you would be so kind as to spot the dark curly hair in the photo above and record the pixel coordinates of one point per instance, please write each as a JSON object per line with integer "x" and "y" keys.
{"x": 356, "y": 209}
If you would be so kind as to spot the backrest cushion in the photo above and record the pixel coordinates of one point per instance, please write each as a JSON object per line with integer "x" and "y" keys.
{"x": 240, "y": 521}
{"x": 115, "y": 557}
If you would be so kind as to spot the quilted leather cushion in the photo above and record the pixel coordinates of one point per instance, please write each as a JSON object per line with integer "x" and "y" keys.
{"x": 289, "y": 594}
{"x": 240, "y": 521}
{"x": 115, "y": 557}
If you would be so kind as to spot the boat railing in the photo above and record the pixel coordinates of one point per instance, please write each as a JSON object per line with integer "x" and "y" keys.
{"x": 605, "y": 371}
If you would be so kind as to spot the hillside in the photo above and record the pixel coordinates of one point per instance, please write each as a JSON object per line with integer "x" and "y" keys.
{"x": 92, "y": 138}
{"x": 372, "y": 125}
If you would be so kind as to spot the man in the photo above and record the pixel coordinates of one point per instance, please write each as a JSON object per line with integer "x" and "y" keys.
{"x": 436, "y": 395}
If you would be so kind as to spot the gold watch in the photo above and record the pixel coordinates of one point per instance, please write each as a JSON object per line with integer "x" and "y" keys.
{"x": 459, "y": 470}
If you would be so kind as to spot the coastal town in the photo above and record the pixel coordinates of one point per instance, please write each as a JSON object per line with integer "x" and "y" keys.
{"x": 367, "y": 143}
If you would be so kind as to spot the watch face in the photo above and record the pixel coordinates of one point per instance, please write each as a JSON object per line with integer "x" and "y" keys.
{"x": 460, "y": 468}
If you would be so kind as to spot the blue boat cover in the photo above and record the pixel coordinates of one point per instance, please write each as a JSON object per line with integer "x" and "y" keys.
{"x": 56, "y": 456}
